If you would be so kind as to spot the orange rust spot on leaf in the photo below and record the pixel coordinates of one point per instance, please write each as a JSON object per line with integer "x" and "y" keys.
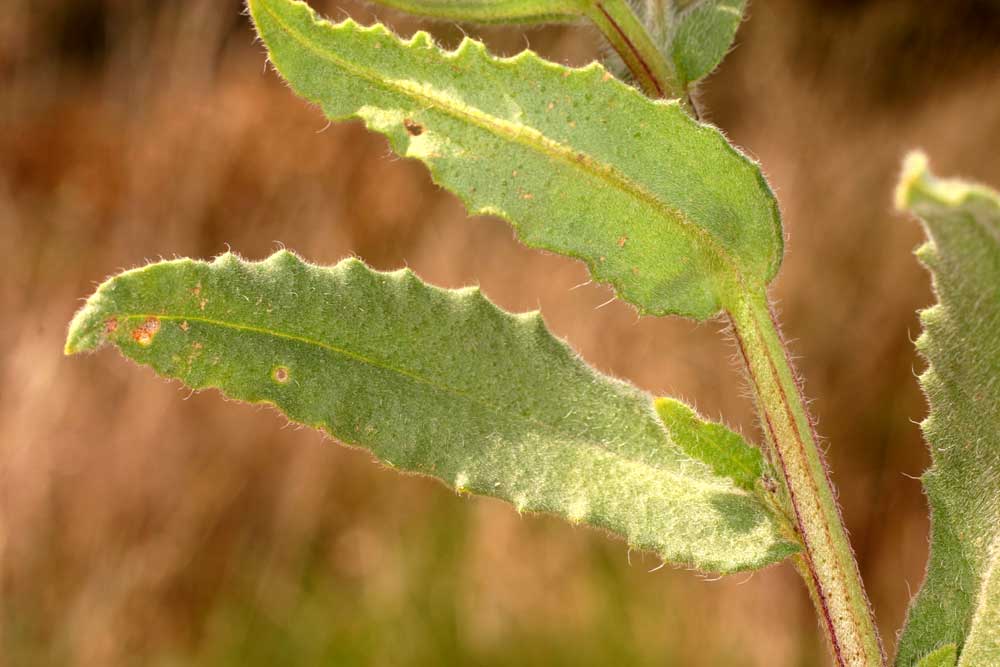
{"x": 607, "y": 76}
{"x": 145, "y": 332}
{"x": 527, "y": 195}
{"x": 111, "y": 325}
{"x": 414, "y": 128}
{"x": 621, "y": 241}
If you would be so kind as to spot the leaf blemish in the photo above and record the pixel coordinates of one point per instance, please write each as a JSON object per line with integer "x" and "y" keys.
{"x": 281, "y": 374}
{"x": 196, "y": 291}
{"x": 111, "y": 325}
{"x": 413, "y": 128}
{"x": 144, "y": 333}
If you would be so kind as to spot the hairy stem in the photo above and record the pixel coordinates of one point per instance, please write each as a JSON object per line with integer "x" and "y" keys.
{"x": 827, "y": 563}
{"x": 624, "y": 31}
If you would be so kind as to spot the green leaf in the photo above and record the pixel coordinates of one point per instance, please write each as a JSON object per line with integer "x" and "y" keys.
{"x": 494, "y": 11}
{"x": 959, "y": 602}
{"x": 704, "y": 34}
{"x": 616, "y": 20}
{"x": 946, "y": 656}
{"x": 664, "y": 209}
{"x": 695, "y": 36}
{"x": 724, "y": 451}
{"x": 438, "y": 382}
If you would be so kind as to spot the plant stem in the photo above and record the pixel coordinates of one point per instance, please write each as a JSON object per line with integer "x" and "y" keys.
{"x": 827, "y": 563}
{"x": 624, "y": 31}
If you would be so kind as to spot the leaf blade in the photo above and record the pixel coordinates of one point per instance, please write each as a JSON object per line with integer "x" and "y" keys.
{"x": 722, "y": 449}
{"x": 437, "y": 382}
{"x": 946, "y": 656}
{"x": 659, "y": 206}
{"x": 703, "y": 36}
{"x": 493, "y": 11}
{"x": 959, "y": 602}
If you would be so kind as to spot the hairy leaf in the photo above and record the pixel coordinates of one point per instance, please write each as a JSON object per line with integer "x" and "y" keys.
{"x": 704, "y": 34}
{"x": 959, "y": 602}
{"x": 494, "y": 11}
{"x": 946, "y": 656}
{"x": 724, "y": 451}
{"x": 696, "y": 36}
{"x": 676, "y": 219}
{"x": 439, "y": 382}
{"x": 616, "y": 20}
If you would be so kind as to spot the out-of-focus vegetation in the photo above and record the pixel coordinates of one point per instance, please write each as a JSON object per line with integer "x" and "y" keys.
{"x": 140, "y": 528}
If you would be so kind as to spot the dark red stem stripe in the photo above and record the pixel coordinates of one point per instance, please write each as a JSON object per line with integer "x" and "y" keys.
{"x": 820, "y": 593}
{"x": 635, "y": 52}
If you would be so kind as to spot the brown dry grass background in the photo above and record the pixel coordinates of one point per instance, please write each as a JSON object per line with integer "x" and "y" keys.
{"x": 140, "y": 525}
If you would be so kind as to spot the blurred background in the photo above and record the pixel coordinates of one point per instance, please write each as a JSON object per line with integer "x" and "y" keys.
{"x": 141, "y": 525}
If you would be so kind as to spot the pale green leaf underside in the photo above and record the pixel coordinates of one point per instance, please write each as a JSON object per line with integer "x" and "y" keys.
{"x": 438, "y": 382}
{"x": 959, "y": 602}
{"x": 581, "y": 164}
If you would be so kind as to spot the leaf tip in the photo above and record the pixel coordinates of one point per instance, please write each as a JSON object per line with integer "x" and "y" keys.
{"x": 914, "y": 171}
{"x": 88, "y": 330}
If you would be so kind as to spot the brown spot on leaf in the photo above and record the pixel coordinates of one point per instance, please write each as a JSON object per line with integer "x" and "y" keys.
{"x": 111, "y": 325}
{"x": 527, "y": 195}
{"x": 185, "y": 326}
{"x": 196, "y": 291}
{"x": 414, "y": 128}
{"x": 281, "y": 374}
{"x": 145, "y": 332}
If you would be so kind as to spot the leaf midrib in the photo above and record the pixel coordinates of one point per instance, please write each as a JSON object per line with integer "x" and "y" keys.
{"x": 521, "y": 134}
{"x": 484, "y": 405}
